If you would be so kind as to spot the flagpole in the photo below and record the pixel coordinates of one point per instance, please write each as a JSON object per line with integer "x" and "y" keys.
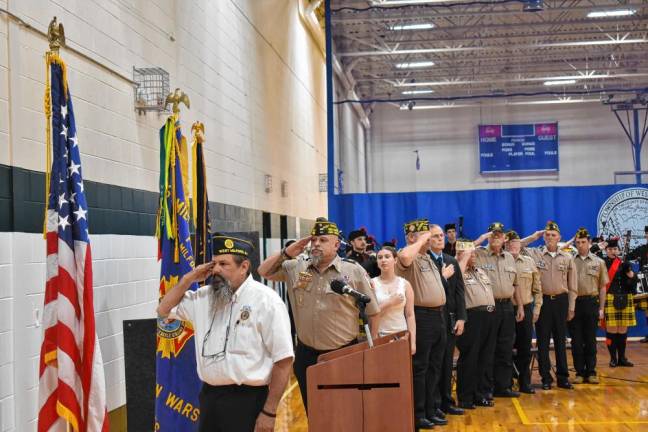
{"x": 56, "y": 38}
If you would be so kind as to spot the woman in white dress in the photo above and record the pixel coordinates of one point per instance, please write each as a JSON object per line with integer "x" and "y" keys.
{"x": 395, "y": 298}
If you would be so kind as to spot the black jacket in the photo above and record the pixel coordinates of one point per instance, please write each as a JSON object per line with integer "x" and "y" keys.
{"x": 454, "y": 289}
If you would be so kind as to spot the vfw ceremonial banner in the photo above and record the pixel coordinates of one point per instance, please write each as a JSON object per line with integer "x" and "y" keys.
{"x": 177, "y": 383}
{"x": 71, "y": 389}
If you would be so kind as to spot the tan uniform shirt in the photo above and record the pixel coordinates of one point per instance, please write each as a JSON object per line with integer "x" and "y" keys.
{"x": 325, "y": 320}
{"x": 500, "y": 269}
{"x": 425, "y": 279}
{"x": 592, "y": 275}
{"x": 557, "y": 274}
{"x": 479, "y": 290}
{"x": 529, "y": 282}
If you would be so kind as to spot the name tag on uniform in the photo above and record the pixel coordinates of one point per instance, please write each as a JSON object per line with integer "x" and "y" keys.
{"x": 425, "y": 266}
{"x": 541, "y": 265}
{"x": 490, "y": 267}
{"x": 304, "y": 279}
{"x": 246, "y": 310}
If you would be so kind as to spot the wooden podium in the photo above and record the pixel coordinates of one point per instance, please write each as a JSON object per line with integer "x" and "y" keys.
{"x": 362, "y": 389}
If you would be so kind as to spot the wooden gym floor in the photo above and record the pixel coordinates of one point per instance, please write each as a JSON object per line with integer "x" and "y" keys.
{"x": 619, "y": 403}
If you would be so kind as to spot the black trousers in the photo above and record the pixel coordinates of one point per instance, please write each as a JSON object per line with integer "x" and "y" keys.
{"x": 231, "y": 408}
{"x": 306, "y": 356}
{"x": 426, "y": 363}
{"x": 476, "y": 349}
{"x": 582, "y": 329}
{"x": 499, "y": 371}
{"x": 522, "y": 357}
{"x": 552, "y": 323}
{"x": 443, "y": 395}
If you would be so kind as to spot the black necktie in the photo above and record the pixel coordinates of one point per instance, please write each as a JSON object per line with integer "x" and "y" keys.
{"x": 439, "y": 262}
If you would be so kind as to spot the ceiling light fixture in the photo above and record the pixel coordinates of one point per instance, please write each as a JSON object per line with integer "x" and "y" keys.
{"x": 611, "y": 13}
{"x": 560, "y": 82}
{"x": 411, "y": 65}
{"x": 421, "y": 26}
{"x": 415, "y": 92}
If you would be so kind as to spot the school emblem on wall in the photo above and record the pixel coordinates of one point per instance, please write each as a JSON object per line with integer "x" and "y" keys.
{"x": 624, "y": 210}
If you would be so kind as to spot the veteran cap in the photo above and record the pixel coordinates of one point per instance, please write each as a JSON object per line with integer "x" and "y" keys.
{"x": 582, "y": 233}
{"x": 465, "y": 245}
{"x": 324, "y": 227}
{"x": 417, "y": 225}
{"x": 223, "y": 245}
{"x": 512, "y": 235}
{"x": 552, "y": 226}
{"x": 496, "y": 226}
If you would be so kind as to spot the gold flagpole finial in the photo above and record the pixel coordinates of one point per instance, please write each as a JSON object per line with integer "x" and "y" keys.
{"x": 175, "y": 98}
{"x": 55, "y": 35}
{"x": 198, "y": 128}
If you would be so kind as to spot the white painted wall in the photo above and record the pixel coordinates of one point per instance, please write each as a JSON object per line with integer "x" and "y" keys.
{"x": 254, "y": 75}
{"x": 592, "y": 147}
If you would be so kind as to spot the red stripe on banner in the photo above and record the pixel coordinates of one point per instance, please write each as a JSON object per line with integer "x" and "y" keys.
{"x": 51, "y": 290}
{"x": 67, "y": 287}
{"x": 89, "y": 330}
{"x": 68, "y": 345}
{"x": 47, "y": 415}
{"x": 106, "y": 424}
{"x": 67, "y": 397}
{"x": 52, "y": 242}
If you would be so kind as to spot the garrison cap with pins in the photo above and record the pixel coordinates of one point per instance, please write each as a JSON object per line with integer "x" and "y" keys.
{"x": 223, "y": 244}
{"x": 324, "y": 227}
{"x": 582, "y": 233}
{"x": 512, "y": 235}
{"x": 552, "y": 226}
{"x": 417, "y": 225}
{"x": 496, "y": 227}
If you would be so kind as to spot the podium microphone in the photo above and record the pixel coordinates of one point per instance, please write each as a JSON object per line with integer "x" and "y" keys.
{"x": 340, "y": 287}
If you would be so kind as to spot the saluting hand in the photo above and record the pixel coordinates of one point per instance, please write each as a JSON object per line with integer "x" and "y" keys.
{"x": 203, "y": 271}
{"x": 298, "y": 247}
{"x": 447, "y": 271}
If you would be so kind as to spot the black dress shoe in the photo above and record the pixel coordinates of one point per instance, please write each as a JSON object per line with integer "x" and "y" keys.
{"x": 508, "y": 393}
{"x": 452, "y": 410}
{"x": 423, "y": 423}
{"x": 527, "y": 390}
{"x": 546, "y": 386}
{"x": 466, "y": 406}
{"x": 437, "y": 413}
{"x": 565, "y": 385}
{"x": 624, "y": 362}
{"x": 489, "y": 396}
{"x": 613, "y": 363}
{"x": 644, "y": 340}
{"x": 485, "y": 403}
{"x": 438, "y": 421}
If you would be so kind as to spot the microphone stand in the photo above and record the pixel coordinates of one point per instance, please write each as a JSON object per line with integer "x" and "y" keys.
{"x": 365, "y": 321}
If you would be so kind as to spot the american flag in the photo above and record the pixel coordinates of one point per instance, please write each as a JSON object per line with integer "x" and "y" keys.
{"x": 71, "y": 385}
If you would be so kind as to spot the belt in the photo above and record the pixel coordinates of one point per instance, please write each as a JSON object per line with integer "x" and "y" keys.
{"x": 429, "y": 308}
{"x": 588, "y": 297}
{"x": 489, "y": 308}
{"x": 318, "y": 352}
{"x": 553, "y": 296}
{"x": 503, "y": 300}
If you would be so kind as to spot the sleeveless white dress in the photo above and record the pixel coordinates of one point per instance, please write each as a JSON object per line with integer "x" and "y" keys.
{"x": 393, "y": 321}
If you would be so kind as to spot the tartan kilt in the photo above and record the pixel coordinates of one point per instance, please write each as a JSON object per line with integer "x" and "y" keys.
{"x": 641, "y": 304}
{"x": 619, "y": 317}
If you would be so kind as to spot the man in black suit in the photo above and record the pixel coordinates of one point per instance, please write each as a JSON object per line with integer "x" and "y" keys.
{"x": 455, "y": 311}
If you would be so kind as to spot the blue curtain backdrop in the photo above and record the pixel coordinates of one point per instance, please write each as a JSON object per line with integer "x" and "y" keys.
{"x": 523, "y": 209}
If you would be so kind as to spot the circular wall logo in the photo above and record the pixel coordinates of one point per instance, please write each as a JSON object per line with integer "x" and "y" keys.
{"x": 626, "y": 210}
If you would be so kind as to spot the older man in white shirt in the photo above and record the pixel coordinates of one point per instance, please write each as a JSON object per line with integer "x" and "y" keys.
{"x": 244, "y": 348}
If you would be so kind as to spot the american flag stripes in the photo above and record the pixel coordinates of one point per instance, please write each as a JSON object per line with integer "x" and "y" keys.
{"x": 71, "y": 386}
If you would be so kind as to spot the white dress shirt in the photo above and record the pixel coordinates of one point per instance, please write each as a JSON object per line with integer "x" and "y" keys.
{"x": 259, "y": 333}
